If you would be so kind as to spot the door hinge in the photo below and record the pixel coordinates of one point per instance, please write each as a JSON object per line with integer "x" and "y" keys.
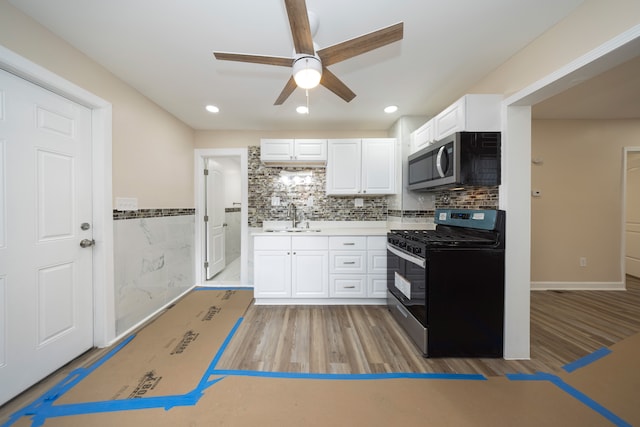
{"x": 206, "y": 265}
{"x": 206, "y": 172}
{"x": 206, "y": 218}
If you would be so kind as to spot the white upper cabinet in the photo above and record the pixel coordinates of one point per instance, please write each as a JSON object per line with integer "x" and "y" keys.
{"x": 307, "y": 152}
{"x": 361, "y": 166}
{"x": 471, "y": 113}
{"x": 422, "y": 136}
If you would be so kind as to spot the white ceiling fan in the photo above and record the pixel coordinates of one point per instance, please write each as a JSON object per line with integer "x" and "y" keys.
{"x": 310, "y": 65}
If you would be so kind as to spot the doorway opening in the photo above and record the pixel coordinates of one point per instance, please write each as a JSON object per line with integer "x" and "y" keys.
{"x": 221, "y": 216}
{"x": 631, "y": 211}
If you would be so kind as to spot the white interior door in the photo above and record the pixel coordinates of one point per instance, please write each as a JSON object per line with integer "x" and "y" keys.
{"x": 632, "y": 227}
{"x": 215, "y": 225}
{"x": 46, "y": 289}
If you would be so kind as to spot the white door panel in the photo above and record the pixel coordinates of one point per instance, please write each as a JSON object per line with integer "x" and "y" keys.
{"x": 215, "y": 226}
{"x": 46, "y": 289}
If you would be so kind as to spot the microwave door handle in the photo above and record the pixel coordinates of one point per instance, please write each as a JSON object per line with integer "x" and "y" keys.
{"x": 439, "y": 161}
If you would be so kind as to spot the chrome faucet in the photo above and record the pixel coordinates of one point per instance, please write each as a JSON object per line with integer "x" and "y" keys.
{"x": 292, "y": 214}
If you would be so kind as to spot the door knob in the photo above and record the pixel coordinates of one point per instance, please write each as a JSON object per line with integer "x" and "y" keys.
{"x": 86, "y": 243}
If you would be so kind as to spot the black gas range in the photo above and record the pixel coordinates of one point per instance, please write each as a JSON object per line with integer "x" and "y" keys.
{"x": 446, "y": 286}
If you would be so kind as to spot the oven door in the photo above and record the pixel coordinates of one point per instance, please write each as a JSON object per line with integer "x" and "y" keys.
{"x": 406, "y": 280}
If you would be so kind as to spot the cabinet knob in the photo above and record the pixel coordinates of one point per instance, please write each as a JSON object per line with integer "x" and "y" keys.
{"x": 364, "y": 191}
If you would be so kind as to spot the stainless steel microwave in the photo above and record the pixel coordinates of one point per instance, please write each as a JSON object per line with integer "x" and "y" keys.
{"x": 462, "y": 159}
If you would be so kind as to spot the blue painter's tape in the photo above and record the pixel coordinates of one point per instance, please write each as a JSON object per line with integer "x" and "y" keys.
{"x": 58, "y": 390}
{"x": 357, "y": 377}
{"x": 575, "y": 393}
{"x": 588, "y": 359}
{"x": 204, "y": 382}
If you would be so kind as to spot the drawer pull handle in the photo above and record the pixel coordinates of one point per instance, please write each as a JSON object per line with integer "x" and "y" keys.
{"x": 349, "y": 262}
{"x": 350, "y": 287}
{"x": 349, "y": 244}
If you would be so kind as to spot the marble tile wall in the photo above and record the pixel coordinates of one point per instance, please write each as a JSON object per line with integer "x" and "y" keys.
{"x": 154, "y": 262}
{"x": 265, "y": 183}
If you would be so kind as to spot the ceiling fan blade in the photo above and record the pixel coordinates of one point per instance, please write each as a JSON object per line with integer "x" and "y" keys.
{"x": 335, "y": 85}
{"x": 359, "y": 45}
{"x": 256, "y": 59}
{"x": 300, "y": 29}
{"x": 288, "y": 90}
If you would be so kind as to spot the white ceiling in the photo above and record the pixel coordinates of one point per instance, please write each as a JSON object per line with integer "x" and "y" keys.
{"x": 164, "y": 49}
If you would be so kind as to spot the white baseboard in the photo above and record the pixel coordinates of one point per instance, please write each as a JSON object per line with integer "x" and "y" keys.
{"x": 578, "y": 286}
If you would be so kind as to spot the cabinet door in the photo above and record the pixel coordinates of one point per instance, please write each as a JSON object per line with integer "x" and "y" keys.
{"x": 421, "y": 137}
{"x": 377, "y": 285}
{"x": 450, "y": 120}
{"x": 377, "y": 262}
{"x": 276, "y": 149}
{"x": 310, "y": 149}
{"x": 310, "y": 278}
{"x": 272, "y": 274}
{"x": 343, "y": 166}
{"x": 378, "y": 166}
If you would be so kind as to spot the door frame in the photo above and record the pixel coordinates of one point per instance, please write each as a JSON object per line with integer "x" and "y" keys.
{"x": 516, "y": 176}
{"x": 200, "y": 155}
{"x": 101, "y": 159}
{"x": 623, "y": 240}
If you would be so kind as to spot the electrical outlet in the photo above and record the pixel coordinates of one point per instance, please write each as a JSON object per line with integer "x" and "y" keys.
{"x": 583, "y": 261}
{"x": 126, "y": 203}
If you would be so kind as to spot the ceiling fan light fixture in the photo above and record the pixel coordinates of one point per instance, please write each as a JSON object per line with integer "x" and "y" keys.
{"x": 307, "y": 71}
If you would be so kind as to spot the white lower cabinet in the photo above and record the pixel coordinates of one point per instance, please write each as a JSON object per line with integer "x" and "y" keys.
{"x": 299, "y": 267}
{"x": 291, "y": 267}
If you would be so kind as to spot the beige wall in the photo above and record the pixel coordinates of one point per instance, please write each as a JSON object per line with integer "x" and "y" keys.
{"x": 590, "y": 25}
{"x": 152, "y": 150}
{"x": 240, "y": 139}
{"x": 579, "y": 212}
{"x": 556, "y": 249}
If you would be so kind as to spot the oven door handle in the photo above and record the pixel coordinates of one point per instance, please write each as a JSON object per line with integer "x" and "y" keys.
{"x": 408, "y": 257}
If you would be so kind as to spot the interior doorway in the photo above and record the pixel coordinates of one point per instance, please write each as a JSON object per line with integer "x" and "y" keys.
{"x": 222, "y": 217}
{"x": 631, "y": 237}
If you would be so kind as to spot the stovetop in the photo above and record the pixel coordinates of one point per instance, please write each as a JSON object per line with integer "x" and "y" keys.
{"x": 454, "y": 229}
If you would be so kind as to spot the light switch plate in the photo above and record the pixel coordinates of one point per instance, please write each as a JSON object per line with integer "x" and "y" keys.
{"x": 275, "y": 201}
{"x": 126, "y": 203}
{"x": 358, "y": 202}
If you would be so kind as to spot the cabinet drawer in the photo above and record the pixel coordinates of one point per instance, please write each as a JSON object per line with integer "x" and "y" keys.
{"x": 348, "y": 242}
{"x": 271, "y": 243}
{"x": 377, "y": 243}
{"x": 377, "y": 262}
{"x": 377, "y": 285}
{"x": 310, "y": 243}
{"x": 348, "y": 262}
{"x": 348, "y": 285}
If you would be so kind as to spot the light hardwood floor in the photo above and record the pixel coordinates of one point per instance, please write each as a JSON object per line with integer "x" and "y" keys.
{"x": 356, "y": 339}
{"x": 565, "y": 326}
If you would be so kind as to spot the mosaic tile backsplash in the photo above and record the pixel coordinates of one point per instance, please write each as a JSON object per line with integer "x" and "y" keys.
{"x": 266, "y": 183}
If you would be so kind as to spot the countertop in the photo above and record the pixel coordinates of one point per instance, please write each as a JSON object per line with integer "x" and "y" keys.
{"x": 337, "y": 228}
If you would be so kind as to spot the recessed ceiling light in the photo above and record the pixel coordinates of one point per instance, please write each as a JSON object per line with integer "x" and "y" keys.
{"x": 391, "y": 109}
{"x": 212, "y": 109}
{"x": 302, "y": 110}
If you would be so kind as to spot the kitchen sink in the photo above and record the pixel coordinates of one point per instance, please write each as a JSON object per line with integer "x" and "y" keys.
{"x": 291, "y": 230}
